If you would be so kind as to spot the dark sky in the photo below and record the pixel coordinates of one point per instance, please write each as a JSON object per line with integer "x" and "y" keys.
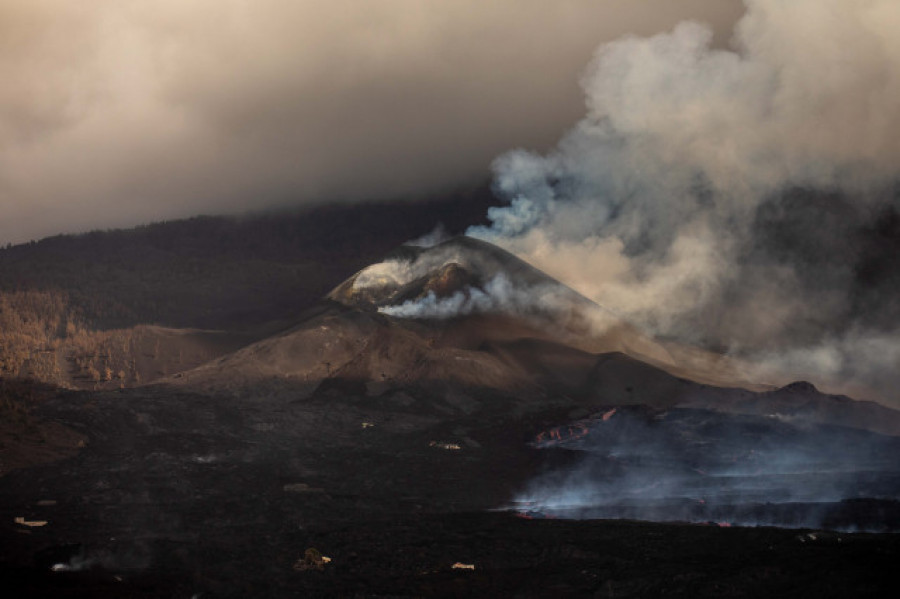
{"x": 118, "y": 113}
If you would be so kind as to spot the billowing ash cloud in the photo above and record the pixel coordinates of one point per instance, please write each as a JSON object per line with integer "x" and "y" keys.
{"x": 742, "y": 198}
{"x": 117, "y": 113}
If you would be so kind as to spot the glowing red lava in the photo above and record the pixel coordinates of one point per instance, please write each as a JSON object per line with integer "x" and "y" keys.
{"x": 570, "y": 432}
{"x": 559, "y": 434}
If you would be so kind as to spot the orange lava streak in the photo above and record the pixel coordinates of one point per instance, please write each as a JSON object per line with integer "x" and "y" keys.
{"x": 559, "y": 434}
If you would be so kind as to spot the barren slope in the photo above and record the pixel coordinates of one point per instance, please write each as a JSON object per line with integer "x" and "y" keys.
{"x": 437, "y": 318}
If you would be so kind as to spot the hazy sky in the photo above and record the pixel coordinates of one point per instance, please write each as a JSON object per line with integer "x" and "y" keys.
{"x": 118, "y": 113}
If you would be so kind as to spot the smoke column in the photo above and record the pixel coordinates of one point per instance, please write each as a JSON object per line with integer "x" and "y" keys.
{"x": 742, "y": 199}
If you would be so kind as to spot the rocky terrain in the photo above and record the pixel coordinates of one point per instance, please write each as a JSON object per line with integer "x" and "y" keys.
{"x": 400, "y": 428}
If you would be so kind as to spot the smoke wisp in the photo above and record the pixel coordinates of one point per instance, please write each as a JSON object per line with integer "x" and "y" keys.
{"x": 742, "y": 199}
{"x": 451, "y": 279}
{"x": 700, "y": 466}
{"x": 498, "y": 295}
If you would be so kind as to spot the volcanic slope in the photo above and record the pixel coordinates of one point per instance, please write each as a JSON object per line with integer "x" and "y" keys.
{"x": 389, "y": 428}
{"x": 464, "y": 317}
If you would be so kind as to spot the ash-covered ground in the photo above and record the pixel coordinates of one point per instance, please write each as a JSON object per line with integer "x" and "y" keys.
{"x": 181, "y": 494}
{"x": 522, "y": 452}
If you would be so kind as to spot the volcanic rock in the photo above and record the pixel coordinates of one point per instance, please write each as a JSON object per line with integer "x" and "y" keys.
{"x": 392, "y": 441}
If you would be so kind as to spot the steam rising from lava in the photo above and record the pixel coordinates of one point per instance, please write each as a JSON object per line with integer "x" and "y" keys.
{"x": 695, "y": 465}
{"x": 729, "y": 197}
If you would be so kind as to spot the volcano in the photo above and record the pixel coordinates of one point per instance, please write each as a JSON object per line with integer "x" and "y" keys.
{"x": 464, "y": 320}
{"x": 467, "y": 316}
{"x": 403, "y": 424}
{"x": 421, "y": 313}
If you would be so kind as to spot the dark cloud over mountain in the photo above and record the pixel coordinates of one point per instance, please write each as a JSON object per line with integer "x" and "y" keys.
{"x": 115, "y": 114}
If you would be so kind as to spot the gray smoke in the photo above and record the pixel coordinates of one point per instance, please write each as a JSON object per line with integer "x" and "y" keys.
{"x": 121, "y": 113}
{"x": 699, "y": 466}
{"x": 739, "y": 199}
{"x": 491, "y": 290}
{"x": 437, "y": 235}
{"x": 498, "y": 295}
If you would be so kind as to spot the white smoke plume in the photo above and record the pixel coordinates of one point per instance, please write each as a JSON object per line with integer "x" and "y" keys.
{"x": 727, "y": 197}
{"x": 437, "y": 235}
{"x": 494, "y": 292}
{"x": 497, "y": 295}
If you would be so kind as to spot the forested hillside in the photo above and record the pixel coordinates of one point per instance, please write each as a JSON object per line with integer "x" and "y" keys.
{"x": 223, "y": 272}
{"x": 69, "y": 304}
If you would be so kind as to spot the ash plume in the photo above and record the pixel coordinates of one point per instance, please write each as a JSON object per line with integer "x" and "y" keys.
{"x": 116, "y": 114}
{"x": 742, "y": 198}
